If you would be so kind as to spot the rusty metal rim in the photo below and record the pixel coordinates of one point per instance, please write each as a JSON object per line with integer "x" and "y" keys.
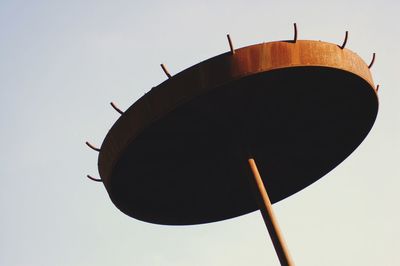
{"x": 109, "y": 151}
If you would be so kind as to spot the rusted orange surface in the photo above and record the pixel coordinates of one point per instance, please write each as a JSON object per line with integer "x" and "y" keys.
{"x": 216, "y": 76}
{"x": 211, "y": 73}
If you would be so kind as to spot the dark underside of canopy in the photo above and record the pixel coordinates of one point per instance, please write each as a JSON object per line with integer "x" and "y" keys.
{"x": 190, "y": 166}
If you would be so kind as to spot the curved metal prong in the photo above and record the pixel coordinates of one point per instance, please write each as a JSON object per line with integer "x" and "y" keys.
{"x": 345, "y": 40}
{"x": 164, "y": 68}
{"x": 116, "y": 108}
{"x": 91, "y": 146}
{"x": 230, "y": 44}
{"x": 94, "y": 179}
{"x": 372, "y": 61}
{"x": 377, "y": 88}
{"x": 295, "y": 33}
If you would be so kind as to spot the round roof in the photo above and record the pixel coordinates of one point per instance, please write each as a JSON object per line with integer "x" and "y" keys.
{"x": 179, "y": 154}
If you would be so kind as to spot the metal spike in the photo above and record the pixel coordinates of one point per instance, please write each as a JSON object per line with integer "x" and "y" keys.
{"x": 345, "y": 40}
{"x": 91, "y": 146}
{"x": 116, "y": 108}
{"x": 164, "y": 68}
{"x": 94, "y": 179}
{"x": 230, "y": 44}
{"x": 372, "y": 61}
{"x": 295, "y": 33}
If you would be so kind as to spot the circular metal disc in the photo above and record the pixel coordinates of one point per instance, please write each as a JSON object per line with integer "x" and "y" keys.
{"x": 179, "y": 154}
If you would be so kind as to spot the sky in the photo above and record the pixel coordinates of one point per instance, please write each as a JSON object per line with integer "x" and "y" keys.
{"x": 62, "y": 62}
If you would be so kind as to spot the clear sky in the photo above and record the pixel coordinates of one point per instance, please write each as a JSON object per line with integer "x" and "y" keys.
{"x": 62, "y": 62}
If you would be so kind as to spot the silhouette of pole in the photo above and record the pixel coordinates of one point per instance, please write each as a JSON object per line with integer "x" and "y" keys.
{"x": 269, "y": 219}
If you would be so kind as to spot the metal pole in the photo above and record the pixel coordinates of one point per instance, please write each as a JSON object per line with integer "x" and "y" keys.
{"x": 269, "y": 219}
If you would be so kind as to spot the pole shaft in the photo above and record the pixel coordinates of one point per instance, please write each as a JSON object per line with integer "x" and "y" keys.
{"x": 269, "y": 219}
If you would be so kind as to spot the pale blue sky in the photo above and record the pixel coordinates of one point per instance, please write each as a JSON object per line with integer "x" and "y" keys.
{"x": 62, "y": 62}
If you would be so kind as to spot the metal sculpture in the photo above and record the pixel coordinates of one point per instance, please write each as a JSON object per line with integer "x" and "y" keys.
{"x": 185, "y": 152}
